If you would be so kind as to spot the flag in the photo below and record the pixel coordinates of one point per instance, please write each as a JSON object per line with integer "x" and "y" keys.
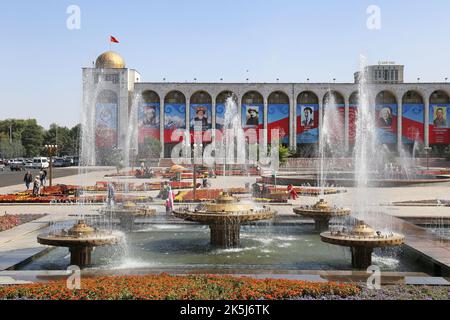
{"x": 112, "y": 39}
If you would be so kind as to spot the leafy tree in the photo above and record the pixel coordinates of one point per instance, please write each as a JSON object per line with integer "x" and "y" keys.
{"x": 151, "y": 148}
{"x": 32, "y": 138}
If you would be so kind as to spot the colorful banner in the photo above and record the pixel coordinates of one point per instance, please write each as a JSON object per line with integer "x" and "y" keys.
{"x": 440, "y": 124}
{"x": 413, "y": 123}
{"x": 253, "y": 116}
{"x": 386, "y": 123}
{"x": 106, "y": 125}
{"x": 253, "y": 119}
{"x": 148, "y": 119}
{"x": 278, "y": 118}
{"x": 201, "y": 115}
{"x": 352, "y": 115}
{"x": 307, "y": 123}
{"x": 174, "y": 118}
{"x": 220, "y": 115}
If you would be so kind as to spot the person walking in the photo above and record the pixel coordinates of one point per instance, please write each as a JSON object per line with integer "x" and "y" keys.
{"x": 28, "y": 179}
{"x": 169, "y": 200}
{"x": 36, "y": 186}
{"x": 110, "y": 196}
{"x": 42, "y": 177}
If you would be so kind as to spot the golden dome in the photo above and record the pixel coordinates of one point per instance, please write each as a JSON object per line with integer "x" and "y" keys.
{"x": 361, "y": 229}
{"x": 110, "y": 59}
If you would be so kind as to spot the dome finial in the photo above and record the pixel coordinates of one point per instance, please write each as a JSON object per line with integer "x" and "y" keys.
{"x": 110, "y": 59}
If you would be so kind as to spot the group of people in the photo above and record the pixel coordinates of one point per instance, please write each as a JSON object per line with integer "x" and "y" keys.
{"x": 38, "y": 182}
{"x": 144, "y": 171}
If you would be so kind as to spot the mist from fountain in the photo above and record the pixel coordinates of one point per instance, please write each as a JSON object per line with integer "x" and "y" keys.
{"x": 233, "y": 142}
{"x": 366, "y": 152}
{"x": 330, "y": 140}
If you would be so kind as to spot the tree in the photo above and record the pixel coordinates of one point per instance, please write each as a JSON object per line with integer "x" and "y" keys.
{"x": 32, "y": 138}
{"x": 11, "y": 149}
{"x": 151, "y": 148}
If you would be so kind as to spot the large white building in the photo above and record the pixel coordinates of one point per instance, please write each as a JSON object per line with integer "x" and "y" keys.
{"x": 408, "y": 113}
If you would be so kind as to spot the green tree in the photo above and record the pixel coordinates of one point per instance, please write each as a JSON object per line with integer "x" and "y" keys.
{"x": 32, "y": 138}
{"x": 151, "y": 148}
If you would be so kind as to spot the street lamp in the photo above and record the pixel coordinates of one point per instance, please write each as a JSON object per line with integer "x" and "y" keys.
{"x": 52, "y": 150}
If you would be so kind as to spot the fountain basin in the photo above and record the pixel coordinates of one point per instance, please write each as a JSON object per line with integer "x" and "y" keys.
{"x": 80, "y": 239}
{"x": 224, "y": 217}
{"x": 321, "y": 213}
{"x": 362, "y": 240}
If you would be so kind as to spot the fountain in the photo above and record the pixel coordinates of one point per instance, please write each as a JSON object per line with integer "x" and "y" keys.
{"x": 127, "y": 213}
{"x": 321, "y": 212}
{"x": 224, "y": 217}
{"x": 80, "y": 239}
{"x": 362, "y": 240}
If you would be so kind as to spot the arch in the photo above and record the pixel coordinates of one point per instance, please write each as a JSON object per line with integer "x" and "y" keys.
{"x": 278, "y": 116}
{"x": 338, "y": 97}
{"x": 385, "y": 97}
{"x": 354, "y": 98}
{"x": 252, "y": 97}
{"x": 175, "y": 97}
{"x": 278, "y": 97}
{"x": 201, "y": 97}
{"x": 224, "y": 95}
{"x": 107, "y": 96}
{"x": 439, "y": 97}
{"x": 307, "y": 97}
{"x": 412, "y": 97}
{"x": 150, "y": 96}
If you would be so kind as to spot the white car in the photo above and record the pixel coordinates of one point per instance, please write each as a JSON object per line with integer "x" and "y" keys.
{"x": 40, "y": 163}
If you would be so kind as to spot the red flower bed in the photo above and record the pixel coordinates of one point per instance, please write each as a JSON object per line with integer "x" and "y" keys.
{"x": 201, "y": 195}
{"x": 192, "y": 287}
{"x": 120, "y": 186}
{"x": 9, "y": 221}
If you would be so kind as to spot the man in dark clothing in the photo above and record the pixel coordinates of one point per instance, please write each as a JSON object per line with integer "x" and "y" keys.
{"x": 28, "y": 179}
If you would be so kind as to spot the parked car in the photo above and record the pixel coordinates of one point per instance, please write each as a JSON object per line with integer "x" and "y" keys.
{"x": 40, "y": 163}
{"x": 72, "y": 160}
{"x": 2, "y": 166}
{"x": 28, "y": 164}
{"x": 59, "y": 162}
{"x": 16, "y": 165}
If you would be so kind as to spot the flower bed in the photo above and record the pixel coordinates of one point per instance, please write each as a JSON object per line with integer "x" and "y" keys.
{"x": 101, "y": 186}
{"x": 201, "y": 195}
{"x": 9, "y": 221}
{"x": 164, "y": 286}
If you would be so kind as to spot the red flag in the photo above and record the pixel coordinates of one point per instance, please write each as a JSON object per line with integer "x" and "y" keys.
{"x": 114, "y": 40}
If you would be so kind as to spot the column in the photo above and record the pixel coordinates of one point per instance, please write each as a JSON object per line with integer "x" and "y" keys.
{"x": 427, "y": 122}
{"x": 346, "y": 124}
{"x": 292, "y": 121}
{"x": 399, "y": 124}
{"x": 265, "y": 135}
{"x": 161, "y": 126}
{"x": 320, "y": 116}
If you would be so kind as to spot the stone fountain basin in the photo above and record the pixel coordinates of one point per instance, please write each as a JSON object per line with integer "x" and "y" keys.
{"x": 313, "y": 213}
{"x": 131, "y": 212}
{"x": 358, "y": 241}
{"x": 99, "y": 239}
{"x": 211, "y": 217}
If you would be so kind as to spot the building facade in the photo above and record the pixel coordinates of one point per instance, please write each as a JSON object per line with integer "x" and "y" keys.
{"x": 407, "y": 114}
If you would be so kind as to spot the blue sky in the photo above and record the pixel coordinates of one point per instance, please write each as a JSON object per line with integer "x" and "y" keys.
{"x": 206, "y": 39}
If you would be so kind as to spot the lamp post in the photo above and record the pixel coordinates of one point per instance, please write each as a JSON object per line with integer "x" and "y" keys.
{"x": 427, "y": 149}
{"x": 51, "y": 149}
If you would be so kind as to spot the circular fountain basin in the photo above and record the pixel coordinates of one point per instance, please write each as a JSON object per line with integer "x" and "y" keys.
{"x": 362, "y": 239}
{"x": 321, "y": 212}
{"x": 80, "y": 239}
{"x": 224, "y": 217}
{"x": 129, "y": 209}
